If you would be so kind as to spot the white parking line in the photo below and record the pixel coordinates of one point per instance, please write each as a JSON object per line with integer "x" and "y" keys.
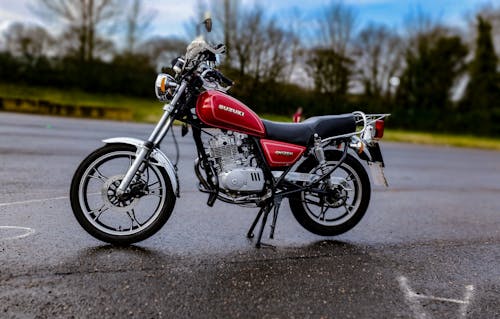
{"x": 28, "y": 231}
{"x": 32, "y": 201}
{"x": 412, "y": 299}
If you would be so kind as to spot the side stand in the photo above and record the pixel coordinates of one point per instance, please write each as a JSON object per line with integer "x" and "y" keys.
{"x": 263, "y": 215}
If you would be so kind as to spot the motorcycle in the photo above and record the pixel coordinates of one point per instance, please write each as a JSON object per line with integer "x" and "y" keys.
{"x": 125, "y": 191}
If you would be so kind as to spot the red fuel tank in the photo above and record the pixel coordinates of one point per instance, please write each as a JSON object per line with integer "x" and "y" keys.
{"x": 217, "y": 109}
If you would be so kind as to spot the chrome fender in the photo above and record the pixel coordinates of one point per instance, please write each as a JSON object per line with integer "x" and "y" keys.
{"x": 161, "y": 159}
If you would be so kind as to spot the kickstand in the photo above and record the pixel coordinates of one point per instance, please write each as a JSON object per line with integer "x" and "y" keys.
{"x": 256, "y": 220}
{"x": 277, "y": 204}
{"x": 264, "y": 213}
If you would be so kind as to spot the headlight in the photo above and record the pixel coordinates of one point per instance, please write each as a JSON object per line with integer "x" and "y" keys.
{"x": 165, "y": 86}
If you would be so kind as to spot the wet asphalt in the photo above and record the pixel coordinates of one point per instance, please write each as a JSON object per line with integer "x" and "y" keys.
{"x": 428, "y": 247}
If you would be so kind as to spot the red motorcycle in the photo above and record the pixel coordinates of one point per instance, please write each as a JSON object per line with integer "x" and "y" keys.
{"x": 125, "y": 191}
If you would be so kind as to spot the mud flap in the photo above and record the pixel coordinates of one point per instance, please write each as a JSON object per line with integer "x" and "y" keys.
{"x": 377, "y": 172}
{"x": 377, "y": 165}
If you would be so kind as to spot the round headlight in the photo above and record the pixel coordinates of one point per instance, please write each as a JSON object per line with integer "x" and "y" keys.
{"x": 165, "y": 86}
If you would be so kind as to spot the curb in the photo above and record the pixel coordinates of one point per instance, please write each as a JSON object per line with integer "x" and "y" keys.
{"x": 51, "y": 108}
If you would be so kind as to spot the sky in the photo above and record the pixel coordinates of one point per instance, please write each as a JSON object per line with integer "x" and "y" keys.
{"x": 172, "y": 15}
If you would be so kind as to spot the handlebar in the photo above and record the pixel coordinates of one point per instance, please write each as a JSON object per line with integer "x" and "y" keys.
{"x": 225, "y": 79}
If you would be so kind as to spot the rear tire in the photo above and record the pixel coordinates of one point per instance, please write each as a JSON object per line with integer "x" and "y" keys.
{"x": 340, "y": 210}
{"x": 116, "y": 220}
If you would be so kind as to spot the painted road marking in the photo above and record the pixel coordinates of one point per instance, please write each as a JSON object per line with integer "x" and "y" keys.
{"x": 32, "y": 201}
{"x": 27, "y": 231}
{"x": 40, "y": 200}
{"x": 412, "y": 299}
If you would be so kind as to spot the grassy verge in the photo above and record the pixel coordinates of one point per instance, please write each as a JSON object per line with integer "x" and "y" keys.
{"x": 442, "y": 139}
{"x": 143, "y": 109}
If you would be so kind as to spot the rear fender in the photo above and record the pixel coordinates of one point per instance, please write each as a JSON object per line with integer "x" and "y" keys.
{"x": 375, "y": 155}
{"x": 161, "y": 159}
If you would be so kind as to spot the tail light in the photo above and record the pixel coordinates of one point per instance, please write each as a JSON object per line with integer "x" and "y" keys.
{"x": 379, "y": 129}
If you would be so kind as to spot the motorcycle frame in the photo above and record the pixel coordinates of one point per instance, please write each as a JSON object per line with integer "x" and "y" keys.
{"x": 275, "y": 189}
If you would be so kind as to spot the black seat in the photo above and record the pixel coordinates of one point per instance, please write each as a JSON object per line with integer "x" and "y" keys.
{"x": 302, "y": 133}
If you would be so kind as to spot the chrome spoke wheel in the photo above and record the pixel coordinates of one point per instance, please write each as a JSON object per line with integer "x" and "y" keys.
{"x": 340, "y": 197}
{"x": 339, "y": 202}
{"x": 123, "y": 215}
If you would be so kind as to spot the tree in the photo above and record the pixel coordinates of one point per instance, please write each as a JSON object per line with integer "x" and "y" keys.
{"x": 483, "y": 89}
{"x": 83, "y": 22}
{"x": 432, "y": 67}
{"x": 330, "y": 72}
{"x": 379, "y": 56}
{"x": 337, "y": 27}
{"x": 490, "y": 13}
{"x": 226, "y": 14}
{"x": 329, "y": 64}
{"x": 29, "y": 41}
{"x": 138, "y": 22}
{"x": 161, "y": 50}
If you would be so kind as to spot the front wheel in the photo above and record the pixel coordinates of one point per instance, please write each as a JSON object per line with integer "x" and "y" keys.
{"x": 126, "y": 219}
{"x": 341, "y": 201}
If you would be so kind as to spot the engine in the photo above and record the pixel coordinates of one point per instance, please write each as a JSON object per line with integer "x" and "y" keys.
{"x": 232, "y": 157}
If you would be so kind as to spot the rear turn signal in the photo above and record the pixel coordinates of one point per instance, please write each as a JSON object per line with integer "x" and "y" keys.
{"x": 379, "y": 129}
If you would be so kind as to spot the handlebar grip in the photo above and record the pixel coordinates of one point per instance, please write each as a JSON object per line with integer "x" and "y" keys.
{"x": 225, "y": 79}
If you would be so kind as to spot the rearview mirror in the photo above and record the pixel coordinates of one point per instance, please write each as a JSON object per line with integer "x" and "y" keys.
{"x": 208, "y": 22}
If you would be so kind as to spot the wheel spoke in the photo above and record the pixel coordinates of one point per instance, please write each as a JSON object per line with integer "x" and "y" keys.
{"x": 155, "y": 191}
{"x": 98, "y": 175}
{"x": 349, "y": 177}
{"x": 309, "y": 201}
{"x": 133, "y": 219}
{"x": 322, "y": 212}
{"x": 98, "y": 212}
{"x": 153, "y": 184}
{"x": 348, "y": 208}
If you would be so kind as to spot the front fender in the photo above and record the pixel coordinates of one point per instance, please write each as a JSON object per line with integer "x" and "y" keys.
{"x": 161, "y": 159}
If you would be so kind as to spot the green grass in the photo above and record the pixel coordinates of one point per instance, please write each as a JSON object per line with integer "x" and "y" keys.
{"x": 143, "y": 109}
{"x": 150, "y": 110}
{"x": 442, "y": 139}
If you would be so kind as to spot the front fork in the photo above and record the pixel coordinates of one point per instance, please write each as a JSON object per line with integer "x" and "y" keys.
{"x": 154, "y": 139}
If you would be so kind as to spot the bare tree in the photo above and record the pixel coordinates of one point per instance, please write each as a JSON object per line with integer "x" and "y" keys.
{"x": 337, "y": 27}
{"x": 329, "y": 63}
{"x": 275, "y": 55}
{"x": 28, "y": 41}
{"x": 330, "y": 72}
{"x": 247, "y": 39}
{"x": 379, "y": 56}
{"x": 160, "y": 51}
{"x": 138, "y": 23}
{"x": 226, "y": 13}
{"x": 82, "y": 22}
{"x": 258, "y": 46}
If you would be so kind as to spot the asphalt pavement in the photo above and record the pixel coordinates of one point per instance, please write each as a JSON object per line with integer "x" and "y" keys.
{"x": 428, "y": 247}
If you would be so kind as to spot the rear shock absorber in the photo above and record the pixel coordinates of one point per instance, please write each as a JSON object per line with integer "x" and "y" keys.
{"x": 320, "y": 154}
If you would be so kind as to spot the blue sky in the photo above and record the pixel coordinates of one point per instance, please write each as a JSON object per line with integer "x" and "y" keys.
{"x": 173, "y": 14}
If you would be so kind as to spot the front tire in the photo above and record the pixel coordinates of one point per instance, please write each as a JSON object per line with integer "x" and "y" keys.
{"x": 342, "y": 207}
{"x": 120, "y": 220}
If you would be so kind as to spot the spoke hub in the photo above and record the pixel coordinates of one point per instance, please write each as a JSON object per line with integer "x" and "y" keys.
{"x": 123, "y": 203}
{"x": 337, "y": 198}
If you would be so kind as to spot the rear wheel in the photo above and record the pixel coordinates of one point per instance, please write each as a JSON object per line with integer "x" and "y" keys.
{"x": 343, "y": 199}
{"x": 120, "y": 220}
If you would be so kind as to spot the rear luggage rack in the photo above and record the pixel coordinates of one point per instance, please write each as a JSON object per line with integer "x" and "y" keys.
{"x": 361, "y": 119}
